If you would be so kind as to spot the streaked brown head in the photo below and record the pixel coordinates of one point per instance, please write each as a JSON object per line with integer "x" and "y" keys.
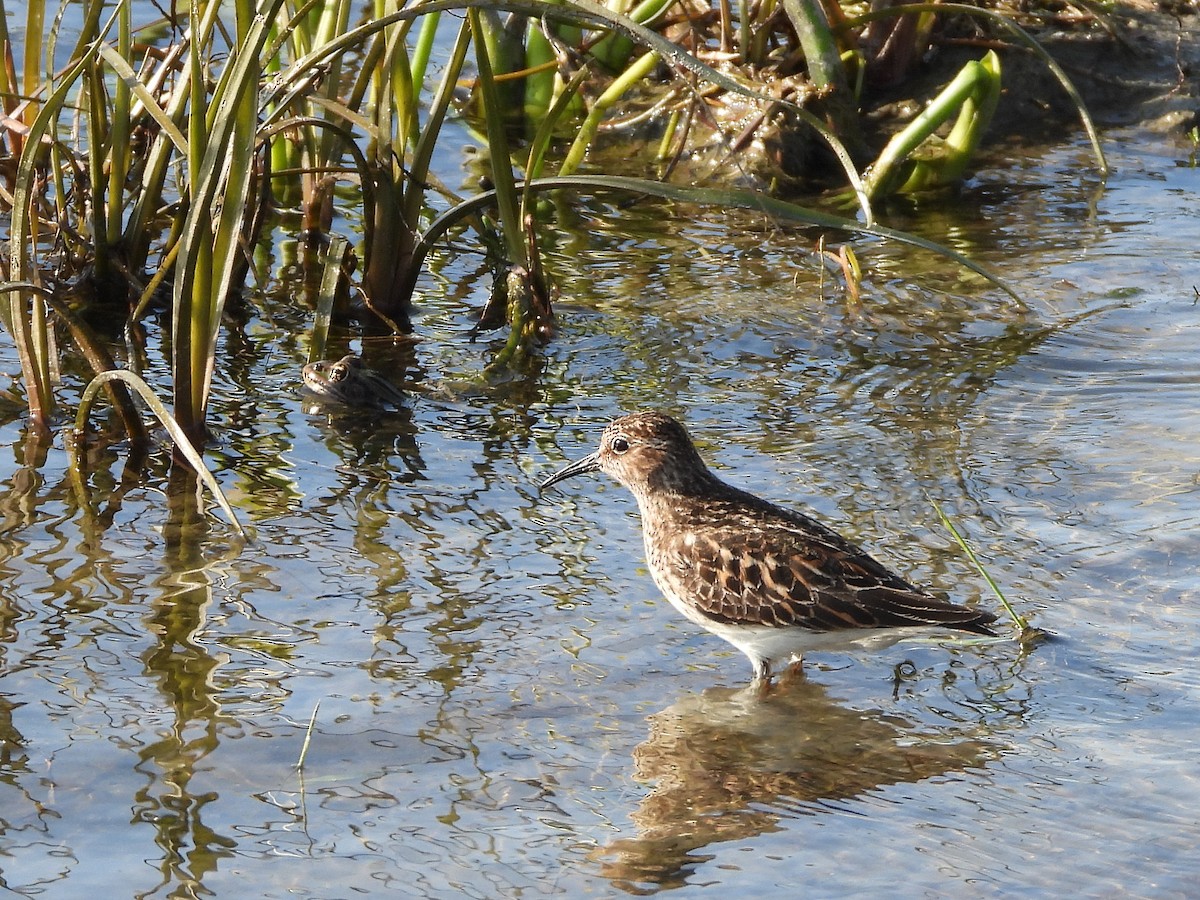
{"x": 643, "y": 451}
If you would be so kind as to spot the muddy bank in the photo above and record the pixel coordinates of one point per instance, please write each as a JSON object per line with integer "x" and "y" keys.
{"x": 1140, "y": 64}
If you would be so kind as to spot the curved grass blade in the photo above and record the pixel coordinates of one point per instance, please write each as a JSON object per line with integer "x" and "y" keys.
{"x": 182, "y": 444}
{"x": 719, "y": 197}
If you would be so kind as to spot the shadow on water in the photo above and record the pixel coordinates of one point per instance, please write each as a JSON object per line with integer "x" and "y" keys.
{"x": 727, "y": 765}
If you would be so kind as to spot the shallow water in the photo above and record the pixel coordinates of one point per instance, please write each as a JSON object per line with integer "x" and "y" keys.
{"x": 502, "y": 704}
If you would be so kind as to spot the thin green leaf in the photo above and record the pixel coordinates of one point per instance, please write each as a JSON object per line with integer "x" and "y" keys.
{"x": 130, "y": 78}
{"x": 1018, "y": 620}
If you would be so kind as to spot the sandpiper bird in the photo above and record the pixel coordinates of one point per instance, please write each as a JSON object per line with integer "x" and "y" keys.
{"x": 770, "y": 581}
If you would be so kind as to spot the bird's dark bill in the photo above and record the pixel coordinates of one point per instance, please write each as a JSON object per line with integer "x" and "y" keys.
{"x": 579, "y": 467}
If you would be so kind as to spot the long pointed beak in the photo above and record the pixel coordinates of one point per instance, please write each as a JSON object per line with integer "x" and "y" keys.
{"x": 579, "y": 467}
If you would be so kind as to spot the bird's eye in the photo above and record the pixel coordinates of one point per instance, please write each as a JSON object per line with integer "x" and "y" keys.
{"x": 619, "y": 444}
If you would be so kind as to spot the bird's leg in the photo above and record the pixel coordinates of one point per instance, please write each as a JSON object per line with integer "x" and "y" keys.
{"x": 761, "y": 682}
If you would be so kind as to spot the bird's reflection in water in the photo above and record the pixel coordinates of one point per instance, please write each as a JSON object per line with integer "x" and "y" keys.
{"x": 728, "y": 764}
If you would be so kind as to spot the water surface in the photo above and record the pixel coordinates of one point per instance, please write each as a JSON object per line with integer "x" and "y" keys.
{"x": 503, "y": 704}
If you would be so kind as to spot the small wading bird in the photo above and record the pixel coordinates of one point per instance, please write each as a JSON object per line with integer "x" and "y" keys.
{"x": 770, "y": 581}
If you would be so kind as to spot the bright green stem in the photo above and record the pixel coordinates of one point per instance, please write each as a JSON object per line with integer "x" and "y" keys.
{"x": 640, "y": 69}
{"x": 668, "y": 135}
{"x": 615, "y": 50}
{"x": 423, "y": 48}
{"x": 974, "y": 118}
{"x": 973, "y": 95}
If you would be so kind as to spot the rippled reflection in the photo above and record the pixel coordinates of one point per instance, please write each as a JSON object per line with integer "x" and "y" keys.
{"x": 726, "y": 765}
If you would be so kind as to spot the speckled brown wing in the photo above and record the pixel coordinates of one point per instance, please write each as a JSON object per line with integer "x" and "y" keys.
{"x": 798, "y": 573}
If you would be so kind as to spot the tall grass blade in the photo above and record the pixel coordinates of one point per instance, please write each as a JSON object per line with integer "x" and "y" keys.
{"x": 717, "y": 197}
{"x": 494, "y": 117}
{"x": 221, "y": 157}
{"x": 25, "y": 314}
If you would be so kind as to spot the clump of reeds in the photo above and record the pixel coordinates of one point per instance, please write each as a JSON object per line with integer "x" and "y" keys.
{"x": 145, "y": 166}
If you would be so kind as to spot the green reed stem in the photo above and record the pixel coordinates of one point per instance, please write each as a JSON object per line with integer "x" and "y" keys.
{"x": 622, "y": 84}
{"x": 1017, "y": 619}
{"x": 423, "y": 48}
{"x": 545, "y": 134}
{"x": 502, "y": 175}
